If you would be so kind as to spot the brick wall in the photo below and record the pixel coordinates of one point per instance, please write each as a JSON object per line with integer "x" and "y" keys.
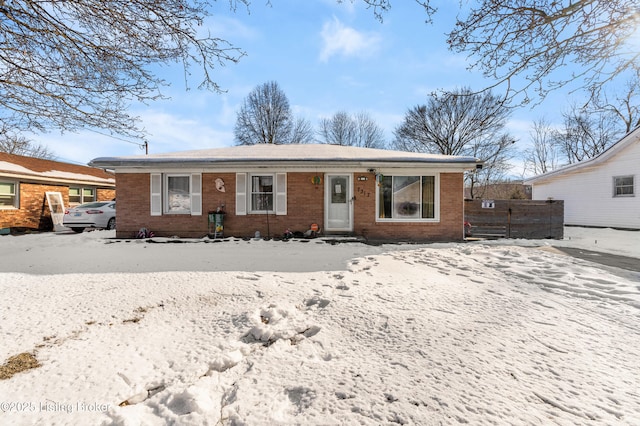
{"x": 103, "y": 194}
{"x": 305, "y": 205}
{"x": 450, "y": 227}
{"x": 34, "y": 210}
{"x": 134, "y": 208}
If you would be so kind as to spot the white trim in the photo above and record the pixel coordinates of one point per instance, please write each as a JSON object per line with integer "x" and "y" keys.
{"x": 241, "y": 194}
{"x": 16, "y": 194}
{"x": 296, "y": 155}
{"x": 196, "y": 194}
{"x": 436, "y": 202}
{"x": 250, "y": 207}
{"x": 350, "y": 200}
{"x": 105, "y": 183}
{"x": 356, "y": 168}
{"x": 627, "y": 140}
{"x": 165, "y": 193}
{"x": 280, "y": 194}
{"x": 633, "y": 186}
{"x": 82, "y": 196}
{"x": 56, "y": 209}
{"x": 155, "y": 185}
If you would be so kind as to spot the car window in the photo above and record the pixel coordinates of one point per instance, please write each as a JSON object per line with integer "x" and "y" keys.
{"x": 91, "y": 205}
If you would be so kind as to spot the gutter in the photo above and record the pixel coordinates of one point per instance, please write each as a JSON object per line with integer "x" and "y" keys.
{"x": 35, "y": 178}
{"x": 114, "y": 163}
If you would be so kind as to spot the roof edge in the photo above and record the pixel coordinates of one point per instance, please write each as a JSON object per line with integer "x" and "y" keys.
{"x": 119, "y": 162}
{"x": 63, "y": 180}
{"x": 622, "y": 143}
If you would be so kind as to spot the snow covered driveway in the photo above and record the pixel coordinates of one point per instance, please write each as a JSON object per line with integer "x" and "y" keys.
{"x": 485, "y": 334}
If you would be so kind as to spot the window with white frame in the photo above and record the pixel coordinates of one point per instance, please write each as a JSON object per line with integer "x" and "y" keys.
{"x": 8, "y": 195}
{"x": 261, "y": 193}
{"x": 88, "y": 195}
{"x": 623, "y": 186}
{"x": 410, "y": 198}
{"x": 75, "y": 195}
{"x": 176, "y": 193}
{"x": 81, "y": 195}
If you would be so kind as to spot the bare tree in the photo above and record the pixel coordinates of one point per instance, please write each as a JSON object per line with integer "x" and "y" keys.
{"x": 368, "y": 133}
{"x": 302, "y": 131}
{"x": 76, "y": 63}
{"x": 351, "y": 130}
{"x": 337, "y": 130}
{"x": 79, "y": 64}
{"x": 523, "y": 43}
{"x": 587, "y": 131}
{"x": 380, "y": 7}
{"x": 460, "y": 123}
{"x": 586, "y": 134}
{"x": 12, "y": 143}
{"x": 450, "y": 122}
{"x": 625, "y": 104}
{"x": 526, "y": 44}
{"x": 265, "y": 117}
{"x": 542, "y": 157}
{"x": 496, "y": 158}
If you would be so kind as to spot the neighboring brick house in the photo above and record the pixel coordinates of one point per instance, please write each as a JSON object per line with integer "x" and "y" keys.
{"x": 377, "y": 194}
{"x": 24, "y": 181}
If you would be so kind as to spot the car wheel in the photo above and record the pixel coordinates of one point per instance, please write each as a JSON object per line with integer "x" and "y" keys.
{"x": 112, "y": 223}
{"x": 78, "y": 230}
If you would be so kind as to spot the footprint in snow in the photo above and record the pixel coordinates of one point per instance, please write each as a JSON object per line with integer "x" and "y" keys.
{"x": 317, "y": 301}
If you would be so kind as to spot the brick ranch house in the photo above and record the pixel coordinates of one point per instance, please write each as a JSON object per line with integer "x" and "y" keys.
{"x": 377, "y": 194}
{"x": 24, "y": 182}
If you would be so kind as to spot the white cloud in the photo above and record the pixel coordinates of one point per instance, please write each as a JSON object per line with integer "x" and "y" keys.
{"x": 228, "y": 28}
{"x": 341, "y": 40}
{"x": 169, "y": 132}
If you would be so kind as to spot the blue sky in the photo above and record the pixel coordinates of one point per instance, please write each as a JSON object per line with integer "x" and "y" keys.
{"x": 326, "y": 57}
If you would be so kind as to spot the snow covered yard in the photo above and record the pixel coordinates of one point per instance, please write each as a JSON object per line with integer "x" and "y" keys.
{"x": 493, "y": 333}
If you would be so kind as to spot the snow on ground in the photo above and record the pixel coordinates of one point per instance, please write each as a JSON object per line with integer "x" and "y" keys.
{"x": 263, "y": 332}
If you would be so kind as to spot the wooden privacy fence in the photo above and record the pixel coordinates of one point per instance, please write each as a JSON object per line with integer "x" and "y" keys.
{"x": 532, "y": 219}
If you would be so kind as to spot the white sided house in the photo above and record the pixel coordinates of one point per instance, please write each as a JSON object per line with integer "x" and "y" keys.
{"x": 599, "y": 192}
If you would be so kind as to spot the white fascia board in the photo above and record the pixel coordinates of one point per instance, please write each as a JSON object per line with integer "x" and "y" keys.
{"x": 588, "y": 164}
{"x": 355, "y": 167}
{"x": 64, "y": 181}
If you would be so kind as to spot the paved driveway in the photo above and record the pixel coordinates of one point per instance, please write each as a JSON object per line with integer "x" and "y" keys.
{"x": 624, "y": 262}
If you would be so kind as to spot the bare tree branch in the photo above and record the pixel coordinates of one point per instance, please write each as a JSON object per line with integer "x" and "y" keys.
{"x": 586, "y": 133}
{"x": 351, "y": 130}
{"x": 265, "y": 117}
{"x": 460, "y": 123}
{"x": 80, "y": 63}
{"x": 542, "y": 156}
{"x": 525, "y": 44}
{"x": 380, "y": 7}
{"x": 623, "y": 104}
{"x": 12, "y": 143}
{"x": 302, "y": 131}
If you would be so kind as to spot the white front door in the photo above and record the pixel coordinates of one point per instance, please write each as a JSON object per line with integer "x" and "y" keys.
{"x": 338, "y": 203}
